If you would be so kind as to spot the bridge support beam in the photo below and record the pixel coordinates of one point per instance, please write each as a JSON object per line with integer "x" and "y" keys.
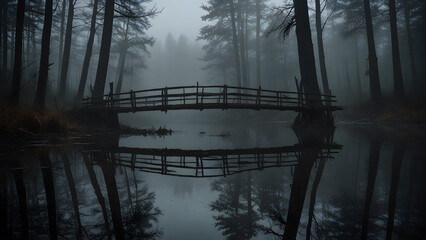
{"x": 311, "y": 118}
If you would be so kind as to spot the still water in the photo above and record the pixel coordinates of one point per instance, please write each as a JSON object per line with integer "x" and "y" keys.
{"x": 219, "y": 180}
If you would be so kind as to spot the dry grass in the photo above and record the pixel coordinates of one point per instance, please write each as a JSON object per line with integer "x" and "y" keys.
{"x": 29, "y": 122}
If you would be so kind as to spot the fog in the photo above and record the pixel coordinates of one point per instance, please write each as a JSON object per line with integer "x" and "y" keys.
{"x": 213, "y": 119}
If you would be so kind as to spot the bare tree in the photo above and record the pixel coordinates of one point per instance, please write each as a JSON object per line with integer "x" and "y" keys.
{"x": 40, "y": 97}
{"x": 17, "y": 65}
{"x": 375, "y": 90}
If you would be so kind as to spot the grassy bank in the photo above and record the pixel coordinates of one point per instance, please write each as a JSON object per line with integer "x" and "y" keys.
{"x": 411, "y": 110}
{"x": 20, "y": 125}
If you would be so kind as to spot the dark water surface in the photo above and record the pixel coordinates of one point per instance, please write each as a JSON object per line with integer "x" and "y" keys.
{"x": 221, "y": 181}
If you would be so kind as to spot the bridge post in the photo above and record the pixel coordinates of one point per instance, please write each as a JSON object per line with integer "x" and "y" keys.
{"x": 278, "y": 99}
{"x": 111, "y": 94}
{"x": 202, "y": 98}
{"x": 165, "y": 99}
{"x": 258, "y": 99}
{"x": 225, "y": 97}
{"x": 133, "y": 100}
{"x": 184, "y": 96}
{"x": 196, "y": 101}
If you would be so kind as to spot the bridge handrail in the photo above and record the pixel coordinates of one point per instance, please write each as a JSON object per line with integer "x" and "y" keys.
{"x": 208, "y": 87}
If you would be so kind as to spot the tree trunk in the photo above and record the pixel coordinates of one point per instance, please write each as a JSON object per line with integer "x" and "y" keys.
{"x": 12, "y": 47}
{"x": 22, "y": 198}
{"x": 358, "y": 75}
{"x": 258, "y": 42}
{"x": 424, "y": 28}
{"x": 321, "y": 54}
{"x": 235, "y": 43}
{"x": 114, "y": 200}
{"x": 40, "y": 97}
{"x": 88, "y": 54}
{"x": 71, "y": 185}
{"x": 407, "y": 14}
{"x": 61, "y": 38}
{"x": 305, "y": 49}
{"x": 98, "y": 192}
{"x": 309, "y": 81}
{"x": 247, "y": 47}
{"x": 101, "y": 72}
{"x": 3, "y": 204}
{"x": 17, "y": 65}
{"x": 302, "y": 173}
{"x": 347, "y": 75}
{"x": 67, "y": 51}
{"x": 396, "y": 59}
{"x": 122, "y": 60}
{"x": 5, "y": 37}
{"x": 242, "y": 44}
{"x": 129, "y": 192}
{"x": 236, "y": 195}
{"x": 373, "y": 164}
{"x": 250, "y": 226}
{"x": 398, "y": 156}
{"x": 46, "y": 170}
{"x": 27, "y": 48}
{"x": 120, "y": 64}
{"x": 375, "y": 90}
{"x": 313, "y": 197}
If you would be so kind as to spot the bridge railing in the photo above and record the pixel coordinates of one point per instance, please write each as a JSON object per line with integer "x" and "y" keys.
{"x": 219, "y": 96}
{"x": 210, "y": 163}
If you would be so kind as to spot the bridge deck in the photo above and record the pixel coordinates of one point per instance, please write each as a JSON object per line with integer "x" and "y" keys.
{"x": 208, "y": 163}
{"x": 210, "y": 97}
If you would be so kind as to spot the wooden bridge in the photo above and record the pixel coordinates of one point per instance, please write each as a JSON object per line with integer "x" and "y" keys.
{"x": 209, "y": 97}
{"x": 207, "y": 163}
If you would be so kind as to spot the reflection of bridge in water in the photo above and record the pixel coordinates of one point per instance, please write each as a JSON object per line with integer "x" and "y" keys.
{"x": 208, "y": 163}
{"x": 209, "y": 97}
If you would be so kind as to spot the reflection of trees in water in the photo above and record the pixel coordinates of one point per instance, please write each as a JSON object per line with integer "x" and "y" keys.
{"x": 247, "y": 199}
{"x": 49, "y": 198}
{"x": 237, "y": 218}
{"x": 349, "y": 215}
{"x": 276, "y": 208}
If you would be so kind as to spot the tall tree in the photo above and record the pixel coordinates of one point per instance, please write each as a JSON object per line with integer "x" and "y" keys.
{"x": 396, "y": 59}
{"x": 375, "y": 90}
{"x": 61, "y": 37}
{"x": 398, "y": 156}
{"x": 73, "y": 191}
{"x": 67, "y": 49}
{"x": 221, "y": 48}
{"x": 17, "y": 65}
{"x": 321, "y": 55}
{"x": 123, "y": 47}
{"x": 98, "y": 193}
{"x": 313, "y": 196}
{"x": 258, "y": 42}
{"x": 243, "y": 56}
{"x": 22, "y": 199}
{"x": 373, "y": 164}
{"x": 114, "y": 200}
{"x": 407, "y": 15}
{"x": 46, "y": 170}
{"x": 101, "y": 72}
{"x": 5, "y": 38}
{"x": 88, "y": 54}
{"x": 305, "y": 49}
{"x": 40, "y": 96}
{"x": 131, "y": 25}
{"x": 235, "y": 42}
